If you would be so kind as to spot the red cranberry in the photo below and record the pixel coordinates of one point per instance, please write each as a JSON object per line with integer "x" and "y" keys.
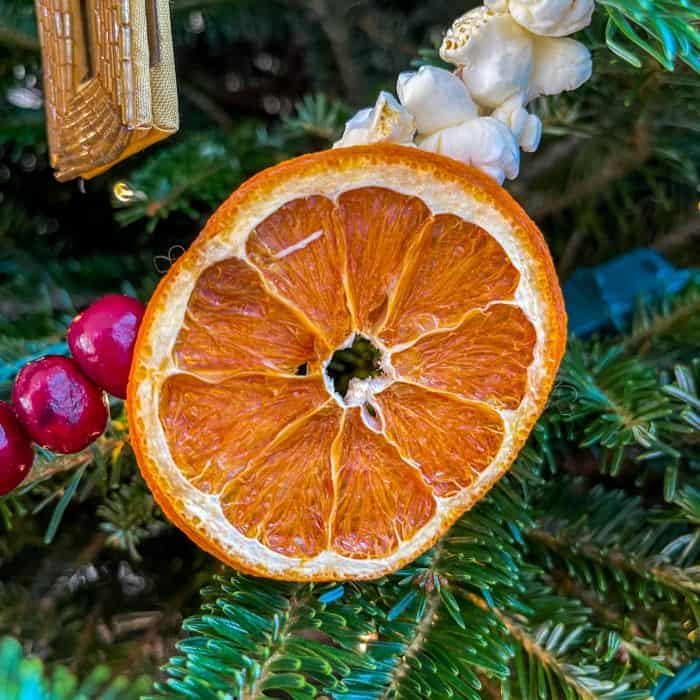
{"x": 16, "y": 452}
{"x": 58, "y": 405}
{"x": 102, "y": 338}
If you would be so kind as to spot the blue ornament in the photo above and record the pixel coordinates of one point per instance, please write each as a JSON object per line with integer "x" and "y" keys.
{"x": 605, "y": 295}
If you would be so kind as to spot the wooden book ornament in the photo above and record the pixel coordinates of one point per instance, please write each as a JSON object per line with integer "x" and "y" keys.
{"x": 109, "y": 80}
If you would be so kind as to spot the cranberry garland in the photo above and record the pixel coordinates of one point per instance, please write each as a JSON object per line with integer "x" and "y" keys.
{"x": 16, "y": 453}
{"x": 101, "y": 340}
{"x": 60, "y": 402}
{"x": 59, "y": 407}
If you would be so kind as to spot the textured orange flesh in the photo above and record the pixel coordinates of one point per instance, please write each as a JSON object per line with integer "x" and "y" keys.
{"x": 215, "y": 430}
{"x": 233, "y": 324}
{"x": 379, "y": 226}
{"x": 457, "y": 440}
{"x": 485, "y": 358}
{"x": 285, "y": 497}
{"x": 455, "y": 266}
{"x": 381, "y": 500}
{"x": 247, "y": 415}
{"x": 300, "y": 251}
{"x": 408, "y": 275}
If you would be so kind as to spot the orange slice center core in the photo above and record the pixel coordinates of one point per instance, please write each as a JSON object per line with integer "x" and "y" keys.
{"x": 356, "y": 371}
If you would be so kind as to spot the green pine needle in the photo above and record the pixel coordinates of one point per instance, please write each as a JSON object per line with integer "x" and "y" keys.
{"x": 24, "y": 678}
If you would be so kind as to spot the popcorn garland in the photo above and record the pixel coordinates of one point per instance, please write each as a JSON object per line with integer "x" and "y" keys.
{"x": 507, "y": 53}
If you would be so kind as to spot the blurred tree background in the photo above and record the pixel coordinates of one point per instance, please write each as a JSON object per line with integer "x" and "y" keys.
{"x": 593, "y": 542}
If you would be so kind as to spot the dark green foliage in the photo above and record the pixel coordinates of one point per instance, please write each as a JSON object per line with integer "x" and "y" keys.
{"x": 193, "y": 173}
{"x": 667, "y": 331}
{"x": 23, "y": 678}
{"x": 666, "y": 30}
{"x": 248, "y": 641}
{"x": 576, "y": 577}
{"x": 128, "y": 518}
{"x": 318, "y": 117}
{"x": 643, "y": 563}
{"x": 423, "y": 652}
{"x": 617, "y": 405}
{"x": 634, "y": 401}
{"x": 562, "y": 653}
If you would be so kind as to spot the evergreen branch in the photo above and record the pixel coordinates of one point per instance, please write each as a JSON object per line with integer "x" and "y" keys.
{"x": 128, "y": 518}
{"x": 547, "y": 660}
{"x": 640, "y": 635}
{"x": 673, "y": 577}
{"x": 555, "y": 653}
{"x": 688, "y": 500}
{"x": 173, "y": 180}
{"x": 607, "y": 401}
{"x": 420, "y": 652}
{"x": 201, "y": 169}
{"x": 675, "y": 319}
{"x": 665, "y": 30}
{"x": 163, "y": 206}
{"x": 416, "y": 642}
{"x": 611, "y": 537}
{"x": 253, "y": 639}
{"x": 22, "y": 678}
{"x": 686, "y": 391}
{"x": 317, "y": 116}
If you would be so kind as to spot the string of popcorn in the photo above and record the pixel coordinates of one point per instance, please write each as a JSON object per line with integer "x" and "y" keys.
{"x": 507, "y": 53}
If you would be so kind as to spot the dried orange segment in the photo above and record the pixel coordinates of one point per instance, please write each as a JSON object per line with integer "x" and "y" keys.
{"x": 284, "y": 499}
{"x": 234, "y": 324}
{"x": 455, "y": 267}
{"x": 457, "y": 439}
{"x": 379, "y": 226}
{"x": 381, "y": 500}
{"x": 300, "y": 253}
{"x": 348, "y": 357}
{"x": 208, "y": 426}
{"x": 485, "y": 358}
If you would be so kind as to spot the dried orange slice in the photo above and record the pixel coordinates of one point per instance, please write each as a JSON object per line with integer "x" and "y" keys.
{"x": 347, "y": 358}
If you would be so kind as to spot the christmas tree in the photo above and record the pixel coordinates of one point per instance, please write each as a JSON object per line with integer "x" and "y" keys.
{"x": 578, "y": 576}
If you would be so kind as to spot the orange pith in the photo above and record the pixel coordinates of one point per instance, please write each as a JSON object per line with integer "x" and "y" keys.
{"x": 235, "y": 423}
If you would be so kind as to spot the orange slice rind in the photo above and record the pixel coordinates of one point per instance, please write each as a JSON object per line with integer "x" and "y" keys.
{"x": 235, "y": 420}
